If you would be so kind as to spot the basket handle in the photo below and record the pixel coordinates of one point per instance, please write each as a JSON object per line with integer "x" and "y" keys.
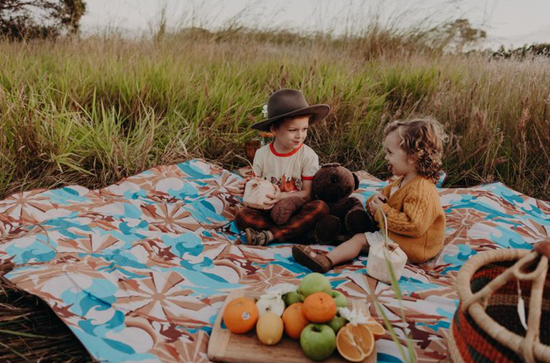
{"x": 538, "y": 277}
{"x": 543, "y": 248}
{"x": 380, "y": 211}
{"x": 389, "y": 246}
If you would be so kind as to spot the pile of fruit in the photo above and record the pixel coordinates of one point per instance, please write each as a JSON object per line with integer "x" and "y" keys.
{"x": 313, "y": 313}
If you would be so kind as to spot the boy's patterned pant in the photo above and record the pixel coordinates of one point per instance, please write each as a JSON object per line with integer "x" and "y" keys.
{"x": 299, "y": 224}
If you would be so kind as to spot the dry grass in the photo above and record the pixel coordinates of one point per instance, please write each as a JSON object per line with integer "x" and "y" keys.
{"x": 31, "y": 332}
{"x": 91, "y": 112}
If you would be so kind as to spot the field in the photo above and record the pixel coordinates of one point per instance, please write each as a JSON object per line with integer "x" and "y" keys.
{"x": 95, "y": 110}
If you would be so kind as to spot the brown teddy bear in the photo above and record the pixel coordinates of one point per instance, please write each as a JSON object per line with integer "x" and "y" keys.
{"x": 334, "y": 184}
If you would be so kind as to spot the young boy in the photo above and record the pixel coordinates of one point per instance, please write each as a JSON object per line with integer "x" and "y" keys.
{"x": 290, "y": 165}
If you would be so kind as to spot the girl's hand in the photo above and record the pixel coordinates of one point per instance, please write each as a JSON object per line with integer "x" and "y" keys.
{"x": 375, "y": 204}
{"x": 380, "y": 197}
{"x": 377, "y": 200}
{"x": 274, "y": 198}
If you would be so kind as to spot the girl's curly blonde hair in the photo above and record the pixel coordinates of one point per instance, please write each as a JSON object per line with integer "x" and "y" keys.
{"x": 422, "y": 139}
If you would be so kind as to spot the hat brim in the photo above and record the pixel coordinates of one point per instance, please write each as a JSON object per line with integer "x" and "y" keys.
{"x": 318, "y": 113}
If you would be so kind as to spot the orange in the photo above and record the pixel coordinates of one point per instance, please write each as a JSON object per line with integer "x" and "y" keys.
{"x": 355, "y": 343}
{"x": 295, "y": 321}
{"x": 376, "y": 328}
{"x": 240, "y": 315}
{"x": 319, "y": 307}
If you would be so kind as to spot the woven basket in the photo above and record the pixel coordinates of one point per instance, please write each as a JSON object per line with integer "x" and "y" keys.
{"x": 487, "y": 326}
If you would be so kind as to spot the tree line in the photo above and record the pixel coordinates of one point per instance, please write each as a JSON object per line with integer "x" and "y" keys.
{"x": 39, "y": 19}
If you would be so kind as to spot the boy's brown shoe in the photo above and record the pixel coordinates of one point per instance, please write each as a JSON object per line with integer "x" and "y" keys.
{"x": 256, "y": 238}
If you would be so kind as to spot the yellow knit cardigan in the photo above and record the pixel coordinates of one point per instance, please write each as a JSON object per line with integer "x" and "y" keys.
{"x": 416, "y": 220}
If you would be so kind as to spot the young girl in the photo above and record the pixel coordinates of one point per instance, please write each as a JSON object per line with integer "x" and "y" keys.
{"x": 290, "y": 165}
{"x": 415, "y": 218}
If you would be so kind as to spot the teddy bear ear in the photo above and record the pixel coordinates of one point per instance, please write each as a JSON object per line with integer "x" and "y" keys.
{"x": 356, "y": 179}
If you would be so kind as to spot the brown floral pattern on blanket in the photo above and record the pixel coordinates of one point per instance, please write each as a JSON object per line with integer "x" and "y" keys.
{"x": 139, "y": 270}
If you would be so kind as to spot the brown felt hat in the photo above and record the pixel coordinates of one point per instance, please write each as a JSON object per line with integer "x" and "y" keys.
{"x": 287, "y": 103}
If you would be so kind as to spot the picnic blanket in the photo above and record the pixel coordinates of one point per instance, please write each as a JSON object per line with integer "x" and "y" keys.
{"x": 140, "y": 269}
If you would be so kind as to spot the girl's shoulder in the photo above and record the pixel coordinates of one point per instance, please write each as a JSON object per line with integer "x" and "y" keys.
{"x": 429, "y": 190}
{"x": 421, "y": 187}
{"x": 426, "y": 182}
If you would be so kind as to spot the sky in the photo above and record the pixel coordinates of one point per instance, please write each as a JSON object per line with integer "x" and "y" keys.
{"x": 512, "y": 23}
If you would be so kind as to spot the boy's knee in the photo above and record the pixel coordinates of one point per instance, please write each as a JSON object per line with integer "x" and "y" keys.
{"x": 319, "y": 206}
{"x": 240, "y": 220}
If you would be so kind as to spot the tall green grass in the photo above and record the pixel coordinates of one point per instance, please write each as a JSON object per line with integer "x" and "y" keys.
{"x": 96, "y": 110}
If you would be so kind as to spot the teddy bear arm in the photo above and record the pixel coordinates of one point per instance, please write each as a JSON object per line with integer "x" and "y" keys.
{"x": 344, "y": 206}
{"x": 286, "y": 208}
{"x": 353, "y": 203}
{"x": 338, "y": 210}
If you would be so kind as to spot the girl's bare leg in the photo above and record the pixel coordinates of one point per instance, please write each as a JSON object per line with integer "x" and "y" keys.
{"x": 348, "y": 250}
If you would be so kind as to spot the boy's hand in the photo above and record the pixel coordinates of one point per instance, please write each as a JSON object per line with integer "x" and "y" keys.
{"x": 273, "y": 198}
{"x": 241, "y": 186}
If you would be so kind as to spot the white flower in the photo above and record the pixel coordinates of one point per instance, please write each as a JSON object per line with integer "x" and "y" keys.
{"x": 354, "y": 316}
{"x": 278, "y": 290}
{"x": 264, "y": 111}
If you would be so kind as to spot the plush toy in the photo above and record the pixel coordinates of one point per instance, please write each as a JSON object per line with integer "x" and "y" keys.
{"x": 255, "y": 194}
{"x": 334, "y": 184}
{"x": 286, "y": 208}
{"x": 256, "y": 191}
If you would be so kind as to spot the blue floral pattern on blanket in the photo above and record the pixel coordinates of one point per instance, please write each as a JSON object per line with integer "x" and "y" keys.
{"x": 140, "y": 269}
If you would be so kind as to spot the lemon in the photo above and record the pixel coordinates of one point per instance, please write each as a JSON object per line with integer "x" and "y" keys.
{"x": 269, "y": 328}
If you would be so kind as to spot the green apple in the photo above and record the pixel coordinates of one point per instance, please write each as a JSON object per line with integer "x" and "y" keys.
{"x": 318, "y": 341}
{"x": 337, "y": 322}
{"x": 312, "y": 283}
{"x": 292, "y": 297}
{"x": 339, "y": 298}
